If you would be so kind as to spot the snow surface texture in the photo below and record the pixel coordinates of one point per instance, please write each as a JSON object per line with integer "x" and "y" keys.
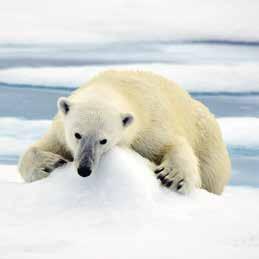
{"x": 17, "y": 134}
{"x": 194, "y": 78}
{"x": 122, "y": 212}
{"x": 129, "y": 20}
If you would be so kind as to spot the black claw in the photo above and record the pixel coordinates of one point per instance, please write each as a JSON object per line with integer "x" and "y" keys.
{"x": 179, "y": 185}
{"x": 169, "y": 183}
{"x": 161, "y": 177}
{"x": 60, "y": 162}
{"x": 164, "y": 181}
{"x": 159, "y": 170}
{"x": 47, "y": 170}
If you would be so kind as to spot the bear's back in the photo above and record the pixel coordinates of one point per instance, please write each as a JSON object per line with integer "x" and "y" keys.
{"x": 142, "y": 87}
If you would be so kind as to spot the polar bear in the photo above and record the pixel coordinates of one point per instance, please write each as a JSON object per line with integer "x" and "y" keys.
{"x": 140, "y": 110}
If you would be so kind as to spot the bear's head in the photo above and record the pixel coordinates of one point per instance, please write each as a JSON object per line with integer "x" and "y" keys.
{"x": 91, "y": 129}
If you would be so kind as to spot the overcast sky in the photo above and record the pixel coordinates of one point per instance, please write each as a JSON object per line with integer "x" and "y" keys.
{"x": 61, "y": 21}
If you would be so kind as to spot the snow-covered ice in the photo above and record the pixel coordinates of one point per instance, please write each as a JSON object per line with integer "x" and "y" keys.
{"x": 122, "y": 212}
{"x": 240, "y": 131}
{"x": 17, "y": 134}
{"x": 229, "y": 78}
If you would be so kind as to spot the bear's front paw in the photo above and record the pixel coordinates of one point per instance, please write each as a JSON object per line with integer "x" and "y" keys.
{"x": 176, "y": 179}
{"x": 38, "y": 164}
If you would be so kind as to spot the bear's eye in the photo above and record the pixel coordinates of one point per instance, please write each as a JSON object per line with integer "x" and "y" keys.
{"x": 78, "y": 136}
{"x": 103, "y": 141}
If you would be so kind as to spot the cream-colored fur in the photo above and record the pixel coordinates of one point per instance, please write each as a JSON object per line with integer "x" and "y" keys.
{"x": 170, "y": 128}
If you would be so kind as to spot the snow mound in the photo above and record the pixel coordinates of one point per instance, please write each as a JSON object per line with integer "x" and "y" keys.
{"x": 122, "y": 212}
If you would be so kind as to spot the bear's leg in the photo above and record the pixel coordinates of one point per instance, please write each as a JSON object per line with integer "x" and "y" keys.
{"x": 43, "y": 157}
{"x": 36, "y": 164}
{"x": 215, "y": 168}
{"x": 179, "y": 169}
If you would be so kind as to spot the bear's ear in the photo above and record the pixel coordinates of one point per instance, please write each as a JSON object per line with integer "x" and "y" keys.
{"x": 127, "y": 119}
{"x": 64, "y": 105}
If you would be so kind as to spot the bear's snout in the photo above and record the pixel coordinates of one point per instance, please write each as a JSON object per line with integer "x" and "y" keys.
{"x": 84, "y": 171}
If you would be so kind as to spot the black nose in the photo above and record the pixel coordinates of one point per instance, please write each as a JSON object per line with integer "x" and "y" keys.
{"x": 84, "y": 171}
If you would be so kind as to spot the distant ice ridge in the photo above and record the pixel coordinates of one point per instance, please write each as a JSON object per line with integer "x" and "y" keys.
{"x": 17, "y": 134}
{"x": 122, "y": 212}
{"x": 194, "y": 78}
{"x": 131, "y": 20}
